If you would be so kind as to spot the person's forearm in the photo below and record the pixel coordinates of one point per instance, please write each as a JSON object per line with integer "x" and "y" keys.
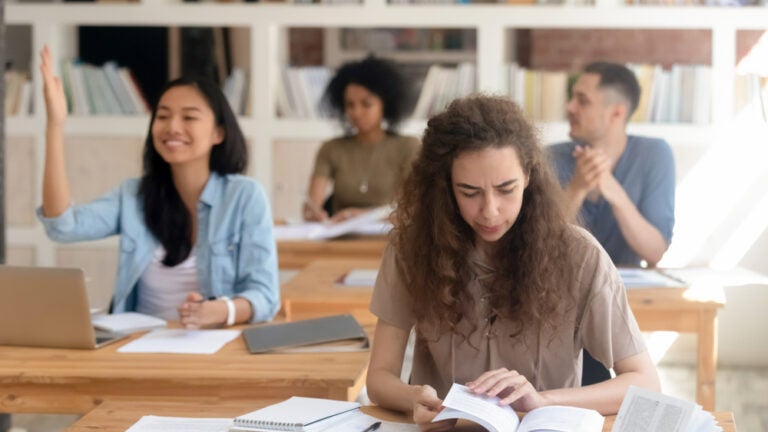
{"x": 644, "y": 238}
{"x": 56, "y": 194}
{"x": 388, "y": 391}
{"x": 604, "y": 397}
{"x": 574, "y": 198}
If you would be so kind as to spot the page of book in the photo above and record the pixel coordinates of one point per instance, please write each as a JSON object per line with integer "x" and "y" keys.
{"x": 485, "y": 411}
{"x": 645, "y": 411}
{"x": 562, "y": 419}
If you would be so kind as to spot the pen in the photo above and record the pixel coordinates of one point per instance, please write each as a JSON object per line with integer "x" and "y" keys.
{"x": 211, "y": 298}
{"x": 372, "y": 427}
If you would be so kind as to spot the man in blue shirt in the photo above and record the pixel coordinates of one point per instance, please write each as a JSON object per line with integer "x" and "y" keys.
{"x": 620, "y": 187}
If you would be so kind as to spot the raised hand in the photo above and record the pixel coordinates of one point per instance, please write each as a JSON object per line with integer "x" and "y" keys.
{"x": 55, "y": 100}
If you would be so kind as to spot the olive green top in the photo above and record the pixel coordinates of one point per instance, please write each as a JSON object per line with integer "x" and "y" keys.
{"x": 365, "y": 175}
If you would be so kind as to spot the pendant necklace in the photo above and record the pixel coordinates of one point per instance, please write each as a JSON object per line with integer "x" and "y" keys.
{"x": 363, "y": 188}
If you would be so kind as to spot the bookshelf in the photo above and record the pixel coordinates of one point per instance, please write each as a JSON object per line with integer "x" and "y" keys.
{"x": 266, "y": 26}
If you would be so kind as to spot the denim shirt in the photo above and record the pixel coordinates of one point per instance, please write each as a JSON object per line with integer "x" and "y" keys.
{"x": 646, "y": 171}
{"x": 235, "y": 250}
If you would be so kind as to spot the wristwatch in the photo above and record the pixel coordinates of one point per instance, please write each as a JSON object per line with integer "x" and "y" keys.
{"x": 230, "y": 309}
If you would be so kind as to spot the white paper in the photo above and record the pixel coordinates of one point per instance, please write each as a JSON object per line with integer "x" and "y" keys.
{"x": 361, "y": 421}
{"x": 127, "y": 322}
{"x": 180, "y": 341}
{"x": 366, "y": 223}
{"x": 360, "y": 277}
{"x": 180, "y": 424}
{"x": 645, "y": 278}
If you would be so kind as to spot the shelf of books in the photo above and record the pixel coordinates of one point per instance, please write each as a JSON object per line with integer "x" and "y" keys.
{"x": 115, "y": 57}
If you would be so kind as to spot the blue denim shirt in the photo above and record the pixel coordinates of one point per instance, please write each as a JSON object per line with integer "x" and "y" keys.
{"x": 235, "y": 250}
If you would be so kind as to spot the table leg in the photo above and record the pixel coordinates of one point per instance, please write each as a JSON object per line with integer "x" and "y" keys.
{"x": 707, "y": 364}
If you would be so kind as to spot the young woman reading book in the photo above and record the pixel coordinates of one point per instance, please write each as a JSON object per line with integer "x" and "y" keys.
{"x": 191, "y": 228}
{"x": 503, "y": 293}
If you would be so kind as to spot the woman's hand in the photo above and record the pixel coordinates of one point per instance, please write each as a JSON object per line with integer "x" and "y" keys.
{"x": 55, "y": 100}
{"x": 511, "y": 387}
{"x": 196, "y": 313}
{"x": 313, "y": 213}
{"x": 425, "y": 407}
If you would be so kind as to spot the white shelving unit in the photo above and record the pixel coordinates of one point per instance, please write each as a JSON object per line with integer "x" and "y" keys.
{"x": 55, "y": 23}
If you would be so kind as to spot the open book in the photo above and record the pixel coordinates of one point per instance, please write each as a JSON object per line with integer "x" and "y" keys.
{"x": 649, "y": 278}
{"x": 644, "y": 410}
{"x": 368, "y": 223}
{"x": 486, "y": 411}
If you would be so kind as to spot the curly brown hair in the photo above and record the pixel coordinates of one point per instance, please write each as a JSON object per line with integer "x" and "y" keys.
{"x": 433, "y": 242}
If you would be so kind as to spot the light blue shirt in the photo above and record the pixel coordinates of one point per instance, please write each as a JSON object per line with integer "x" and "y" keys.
{"x": 646, "y": 171}
{"x": 235, "y": 249}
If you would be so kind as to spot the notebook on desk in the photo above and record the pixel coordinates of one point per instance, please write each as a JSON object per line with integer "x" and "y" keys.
{"x": 47, "y": 307}
{"x": 301, "y": 414}
{"x": 333, "y": 333}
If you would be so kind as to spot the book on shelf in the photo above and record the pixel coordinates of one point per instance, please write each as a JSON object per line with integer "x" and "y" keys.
{"x": 101, "y": 90}
{"x": 18, "y": 93}
{"x": 461, "y": 403}
{"x": 647, "y": 410}
{"x": 327, "y": 334}
{"x": 298, "y": 414}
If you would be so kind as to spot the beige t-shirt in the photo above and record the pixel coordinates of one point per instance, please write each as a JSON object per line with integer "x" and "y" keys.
{"x": 365, "y": 176}
{"x": 597, "y": 317}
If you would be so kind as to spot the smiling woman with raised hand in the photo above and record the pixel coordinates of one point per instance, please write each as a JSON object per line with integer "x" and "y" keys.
{"x": 196, "y": 239}
{"x": 503, "y": 293}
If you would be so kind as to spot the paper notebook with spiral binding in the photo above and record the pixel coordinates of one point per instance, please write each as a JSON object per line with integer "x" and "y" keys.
{"x": 299, "y": 414}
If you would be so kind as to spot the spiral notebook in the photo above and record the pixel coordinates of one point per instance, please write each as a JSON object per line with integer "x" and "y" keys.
{"x": 300, "y": 414}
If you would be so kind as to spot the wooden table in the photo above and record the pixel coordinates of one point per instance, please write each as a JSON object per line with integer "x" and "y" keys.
{"x": 297, "y": 254}
{"x": 313, "y": 291}
{"x": 117, "y": 416}
{"x": 42, "y": 380}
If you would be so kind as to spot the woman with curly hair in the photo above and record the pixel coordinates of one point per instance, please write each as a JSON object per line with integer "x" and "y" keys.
{"x": 502, "y": 292}
{"x": 365, "y": 166}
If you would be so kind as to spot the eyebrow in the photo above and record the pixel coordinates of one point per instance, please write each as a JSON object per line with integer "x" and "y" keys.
{"x": 161, "y": 107}
{"x": 498, "y": 186}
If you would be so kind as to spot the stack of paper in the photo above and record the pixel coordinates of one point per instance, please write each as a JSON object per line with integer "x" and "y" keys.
{"x": 650, "y": 411}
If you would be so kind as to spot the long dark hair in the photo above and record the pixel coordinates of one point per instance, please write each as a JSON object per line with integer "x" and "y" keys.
{"x": 531, "y": 261}
{"x": 164, "y": 213}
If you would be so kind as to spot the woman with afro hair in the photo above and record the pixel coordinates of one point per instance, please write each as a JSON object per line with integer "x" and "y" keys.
{"x": 363, "y": 168}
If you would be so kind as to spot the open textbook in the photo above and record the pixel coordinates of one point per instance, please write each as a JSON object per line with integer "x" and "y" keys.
{"x": 369, "y": 223}
{"x": 647, "y": 411}
{"x": 486, "y": 411}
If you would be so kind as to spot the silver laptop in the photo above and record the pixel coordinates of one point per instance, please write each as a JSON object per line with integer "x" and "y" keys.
{"x": 47, "y": 307}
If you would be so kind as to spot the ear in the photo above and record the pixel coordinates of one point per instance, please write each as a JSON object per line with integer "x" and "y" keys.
{"x": 218, "y": 135}
{"x": 619, "y": 113}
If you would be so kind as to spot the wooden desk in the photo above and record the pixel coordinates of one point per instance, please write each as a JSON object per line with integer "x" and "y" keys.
{"x": 117, "y": 416}
{"x": 41, "y": 380}
{"x": 312, "y": 291}
{"x": 297, "y": 254}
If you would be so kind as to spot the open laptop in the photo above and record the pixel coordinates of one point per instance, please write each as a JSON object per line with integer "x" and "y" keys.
{"x": 47, "y": 307}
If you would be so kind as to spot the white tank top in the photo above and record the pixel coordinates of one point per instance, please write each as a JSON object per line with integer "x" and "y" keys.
{"x": 163, "y": 289}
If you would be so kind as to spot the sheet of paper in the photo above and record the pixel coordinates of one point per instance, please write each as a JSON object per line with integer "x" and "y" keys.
{"x": 180, "y": 424}
{"x": 180, "y": 341}
{"x": 645, "y": 278}
{"x": 366, "y": 223}
{"x": 361, "y": 421}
